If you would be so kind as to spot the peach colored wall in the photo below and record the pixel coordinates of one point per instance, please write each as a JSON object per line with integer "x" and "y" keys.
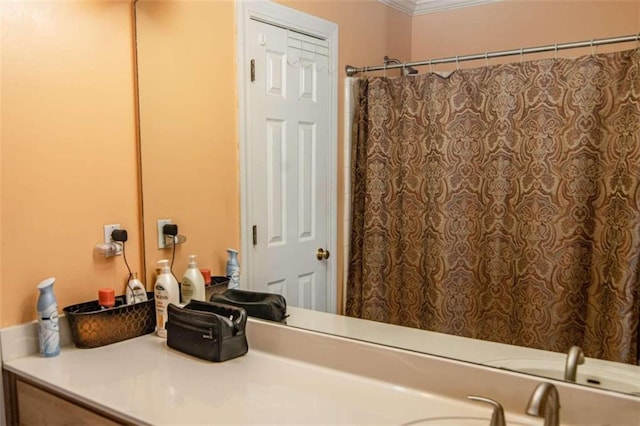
{"x": 68, "y": 144}
{"x": 188, "y": 127}
{"x": 512, "y": 24}
{"x": 1, "y": 163}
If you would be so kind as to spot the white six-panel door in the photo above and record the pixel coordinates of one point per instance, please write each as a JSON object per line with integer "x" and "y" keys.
{"x": 289, "y": 138}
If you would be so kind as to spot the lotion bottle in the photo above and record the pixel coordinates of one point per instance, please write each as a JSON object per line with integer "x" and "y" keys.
{"x": 135, "y": 290}
{"x": 233, "y": 268}
{"x": 192, "y": 282}
{"x": 166, "y": 291}
{"x": 48, "y": 330}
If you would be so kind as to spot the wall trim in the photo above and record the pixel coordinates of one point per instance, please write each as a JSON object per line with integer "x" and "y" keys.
{"x": 422, "y": 7}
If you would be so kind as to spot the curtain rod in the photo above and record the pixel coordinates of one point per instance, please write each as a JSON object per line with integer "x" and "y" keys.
{"x": 351, "y": 70}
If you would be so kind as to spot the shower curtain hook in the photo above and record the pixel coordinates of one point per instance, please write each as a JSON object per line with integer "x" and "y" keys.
{"x": 430, "y": 66}
{"x": 486, "y": 58}
{"x": 404, "y": 69}
{"x": 556, "y": 54}
{"x": 384, "y": 69}
{"x": 593, "y": 52}
{"x": 521, "y": 54}
{"x": 638, "y": 40}
{"x": 457, "y": 63}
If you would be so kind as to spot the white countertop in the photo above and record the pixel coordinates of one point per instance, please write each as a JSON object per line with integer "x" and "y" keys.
{"x": 291, "y": 376}
{"x": 143, "y": 380}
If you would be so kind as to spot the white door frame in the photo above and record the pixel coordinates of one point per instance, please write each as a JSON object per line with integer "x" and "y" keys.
{"x": 282, "y": 16}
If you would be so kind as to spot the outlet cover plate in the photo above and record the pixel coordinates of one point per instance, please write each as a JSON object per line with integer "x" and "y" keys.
{"x": 161, "y": 223}
{"x": 108, "y": 229}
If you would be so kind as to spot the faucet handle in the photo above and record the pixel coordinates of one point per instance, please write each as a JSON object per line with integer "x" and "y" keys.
{"x": 497, "y": 418}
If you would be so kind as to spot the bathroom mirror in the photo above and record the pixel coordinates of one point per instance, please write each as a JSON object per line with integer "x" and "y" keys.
{"x": 187, "y": 81}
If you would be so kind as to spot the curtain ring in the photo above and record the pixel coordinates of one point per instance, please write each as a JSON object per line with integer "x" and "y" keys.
{"x": 457, "y": 63}
{"x": 521, "y": 54}
{"x": 384, "y": 69}
{"x": 404, "y": 69}
{"x": 430, "y": 66}
{"x": 486, "y": 58}
{"x": 638, "y": 40}
{"x": 593, "y": 52}
{"x": 556, "y": 54}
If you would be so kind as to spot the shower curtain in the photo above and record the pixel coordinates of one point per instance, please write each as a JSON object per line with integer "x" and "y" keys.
{"x": 502, "y": 203}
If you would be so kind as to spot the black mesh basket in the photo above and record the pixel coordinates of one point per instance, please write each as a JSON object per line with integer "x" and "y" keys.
{"x": 92, "y": 326}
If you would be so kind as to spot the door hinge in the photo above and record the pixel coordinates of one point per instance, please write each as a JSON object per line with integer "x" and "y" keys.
{"x": 253, "y": 70}
{"x": 255, "y": 235}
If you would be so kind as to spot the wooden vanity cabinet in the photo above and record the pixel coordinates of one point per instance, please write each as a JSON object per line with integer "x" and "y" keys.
{"x": 29, "y": 404}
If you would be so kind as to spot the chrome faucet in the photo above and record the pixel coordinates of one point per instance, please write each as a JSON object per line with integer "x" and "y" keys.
{"x": 575, "y": 357}
{"x": 497, "y": 418}
{"x": 545, "y": 402}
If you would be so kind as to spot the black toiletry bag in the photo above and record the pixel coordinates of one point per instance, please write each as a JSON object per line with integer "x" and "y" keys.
{"x": 208, "y": 330}
{"x": 267, "y": 306}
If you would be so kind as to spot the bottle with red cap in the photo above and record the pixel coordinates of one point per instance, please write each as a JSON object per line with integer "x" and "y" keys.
{"x": 106, "y": 298}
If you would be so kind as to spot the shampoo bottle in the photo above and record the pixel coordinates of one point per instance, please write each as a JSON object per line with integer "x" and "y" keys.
{"x": 135, "y": 290}
{"x": 233, "y": 268}
{"x": 192, "y": 282}
{"x": 166, "y": 291}
{"x": 48, "y": 331}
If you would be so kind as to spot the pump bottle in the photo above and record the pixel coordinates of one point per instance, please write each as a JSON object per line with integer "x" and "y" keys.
{"x": 135, "y": 290}
{"x": 192, "y": 282}
{"x": 166, "y": 291}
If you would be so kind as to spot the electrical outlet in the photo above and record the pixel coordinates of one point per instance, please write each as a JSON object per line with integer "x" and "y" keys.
{"x": 161, "y": 223}
{"x": 108, "y": 229}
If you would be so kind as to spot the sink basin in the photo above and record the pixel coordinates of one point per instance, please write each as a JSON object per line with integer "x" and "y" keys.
{"x": 605, "y": 377}
{"x": 457, "y": 421}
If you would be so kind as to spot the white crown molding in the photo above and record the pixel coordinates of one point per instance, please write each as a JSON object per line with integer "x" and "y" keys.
{"x": 404, "y": 6}
{"x": 428, "y": 6}
{"x": 421, "y": 7}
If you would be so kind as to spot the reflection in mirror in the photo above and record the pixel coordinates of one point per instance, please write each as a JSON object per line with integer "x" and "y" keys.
{"x": 187, "y": 96}
{"x": 188, "y": 120}
{"x": 485, "y": 207}
{"x": 289, "y": 117}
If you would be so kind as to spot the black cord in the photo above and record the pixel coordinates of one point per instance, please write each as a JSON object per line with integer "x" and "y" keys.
{"x": 124, "y": 256}
{"x": 173, "y": 256}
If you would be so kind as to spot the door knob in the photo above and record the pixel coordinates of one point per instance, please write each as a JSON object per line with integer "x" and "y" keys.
{"x": 322, "y": 254}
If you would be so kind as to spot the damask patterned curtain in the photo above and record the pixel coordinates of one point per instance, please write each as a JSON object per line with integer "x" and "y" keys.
{"x": 502, "y": 203}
